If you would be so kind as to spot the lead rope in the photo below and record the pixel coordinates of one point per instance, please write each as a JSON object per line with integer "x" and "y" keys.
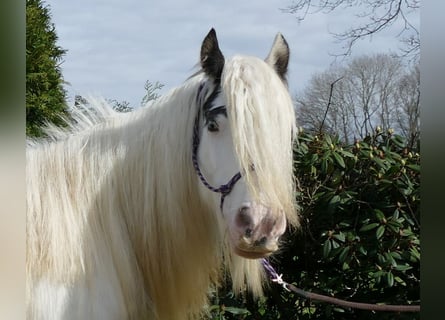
{"x": 277, "y": 278}
{"x": 274, "y": 276}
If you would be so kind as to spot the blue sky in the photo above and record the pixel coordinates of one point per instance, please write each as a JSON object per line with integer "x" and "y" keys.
{"x": 114, "y": 46}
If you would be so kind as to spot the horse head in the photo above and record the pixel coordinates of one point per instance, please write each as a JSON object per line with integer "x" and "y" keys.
{"x": 242, "y": 151}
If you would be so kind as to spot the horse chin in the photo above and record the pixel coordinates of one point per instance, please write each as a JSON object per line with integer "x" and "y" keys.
{"x": 254, "y": 254}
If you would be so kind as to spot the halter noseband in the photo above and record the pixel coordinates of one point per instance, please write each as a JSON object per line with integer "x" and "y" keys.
{"x": 224, "y": 189}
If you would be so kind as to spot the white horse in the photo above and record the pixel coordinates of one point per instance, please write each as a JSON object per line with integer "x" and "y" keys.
{"x": 136, "y": 216}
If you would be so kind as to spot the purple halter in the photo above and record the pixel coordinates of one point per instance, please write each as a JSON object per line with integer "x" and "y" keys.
{"x": 224, "y": 189}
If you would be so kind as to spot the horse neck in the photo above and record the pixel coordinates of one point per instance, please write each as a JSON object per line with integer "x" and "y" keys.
{"x": 174, "y": 236}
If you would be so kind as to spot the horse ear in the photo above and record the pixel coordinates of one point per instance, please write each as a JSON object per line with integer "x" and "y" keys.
{"x": 212, "y": 59}
{"x": 278, "y": 57}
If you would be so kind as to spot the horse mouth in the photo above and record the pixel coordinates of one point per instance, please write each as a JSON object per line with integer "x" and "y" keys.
{"x": 253, "y": 253}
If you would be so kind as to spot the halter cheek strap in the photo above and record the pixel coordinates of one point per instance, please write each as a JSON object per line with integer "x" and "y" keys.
{"x": 224, "y": 189}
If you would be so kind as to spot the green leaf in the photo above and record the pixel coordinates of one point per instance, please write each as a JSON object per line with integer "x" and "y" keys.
{"x": 407, "y": 232}
{"x": 379, "y": 214}
{"x": 380, "y": 162}
{"x": 400, "y": 280}
{"x": 344, "y": 224}
{"x": 386, "y": 182}
{"x": 370, "y": 226}
{"x": 327, "y": 246}
{"x": 394, "y": 226}
{"x": 234, "y": 310}
{"x": 324, "y": 165}
{"x": 343, "y": 254}
{"x": 313, "y": 170}
{"x": 339, "y": 159}
{"x": 396, "y": 255}
{"x": 399, "y": 141}
{"x": 328, "y": 139}
{"x": 378, "y": 274}
{"x": 415, "y": 253}
{"x": 391, "y": 259}
{"x": 335, "y": 244}
{"x": 390, "y": 279}
{"x": 380, "y": 231}
{"x": 334, "y": 200}
{"x": 381, "y": 259}
{"x": 362, "y": 250}
{"x": 401, "y": 267}
{"x": 346, "y": 153}
{"x": 340, "y": 236}
{"x": 214, "y": 307}
{"x": 262, "y": 311}
{"x": 414, "y": 167}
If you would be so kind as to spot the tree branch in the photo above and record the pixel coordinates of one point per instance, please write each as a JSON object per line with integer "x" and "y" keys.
{"x": 331, "y": 90}
{"x": 376, "y": 19}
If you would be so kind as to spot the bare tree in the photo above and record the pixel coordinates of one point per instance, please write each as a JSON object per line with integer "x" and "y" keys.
{"x": 373, "y": 80}
{"x": 374, "y": 16}
{"x": 318, "y": 107}
{"x": 407, "y": 100}
{"x": 353, "y": 100}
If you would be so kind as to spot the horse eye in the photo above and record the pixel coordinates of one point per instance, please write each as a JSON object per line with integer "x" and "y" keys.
{"x": 212, "y": 126}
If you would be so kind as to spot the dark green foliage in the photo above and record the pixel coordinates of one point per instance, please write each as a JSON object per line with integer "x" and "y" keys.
{"x": 360, "y": 234}
{"x": 45, "y": 96}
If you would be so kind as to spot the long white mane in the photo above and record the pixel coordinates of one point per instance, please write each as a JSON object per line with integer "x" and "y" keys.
{"x": 262, "y": 123}
{"x": 115, "y": 196}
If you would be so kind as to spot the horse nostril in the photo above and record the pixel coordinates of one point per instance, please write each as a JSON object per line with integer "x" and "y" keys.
{"x": 244, "y": 209}
{"x": 243, "y": 218}
{"x": 248, "y": 232}
{"x": 261, "y": 242}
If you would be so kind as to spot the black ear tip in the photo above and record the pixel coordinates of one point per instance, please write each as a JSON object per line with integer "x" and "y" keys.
{"x": 283, "y": 39}
{"x": 278, "y": 57}
{"x": 212, "y": 60}
{"x": 211, "y": 35}
{"x": 280, "y": 35}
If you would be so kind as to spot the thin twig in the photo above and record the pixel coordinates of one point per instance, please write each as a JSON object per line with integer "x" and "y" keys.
{"x": 331, "y": 90}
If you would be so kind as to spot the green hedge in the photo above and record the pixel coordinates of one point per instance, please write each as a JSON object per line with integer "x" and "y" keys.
{"x": 360, "y": 234}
